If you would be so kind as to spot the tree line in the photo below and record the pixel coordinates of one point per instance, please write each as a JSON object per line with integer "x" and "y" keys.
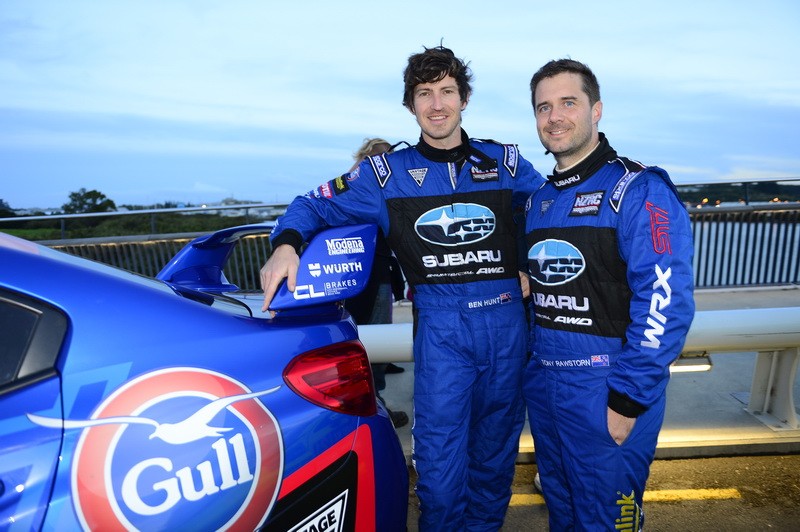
{"x": 92, "y": 201}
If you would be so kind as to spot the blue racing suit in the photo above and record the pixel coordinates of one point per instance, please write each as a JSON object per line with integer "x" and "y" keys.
{"x": 610, "y": 255}
{"x": 448, "y": 216}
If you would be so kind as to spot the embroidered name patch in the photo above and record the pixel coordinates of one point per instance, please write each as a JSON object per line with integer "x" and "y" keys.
{"x": 484, "y": 175}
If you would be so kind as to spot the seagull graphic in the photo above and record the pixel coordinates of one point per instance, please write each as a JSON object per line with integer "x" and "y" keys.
{"x": 193, "y": 428}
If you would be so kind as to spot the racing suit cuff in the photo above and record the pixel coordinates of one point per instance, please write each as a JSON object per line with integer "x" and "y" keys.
{"x": 623, "y": 405}
{"x": 288, "y": 236}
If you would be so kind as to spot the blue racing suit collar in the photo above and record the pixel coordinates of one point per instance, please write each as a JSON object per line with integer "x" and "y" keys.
{"x": 582, "y": 171}
{"x": 459, "y": 154}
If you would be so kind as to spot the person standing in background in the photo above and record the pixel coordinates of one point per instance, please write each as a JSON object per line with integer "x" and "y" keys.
{"x": 374, "y": 304}
{"x": 610, "y": 257}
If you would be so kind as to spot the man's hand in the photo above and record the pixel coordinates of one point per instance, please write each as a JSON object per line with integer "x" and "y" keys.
{"x": 525, "y": 284}
{"x": 282, "y": 264}
{"x": 619, "y": 426}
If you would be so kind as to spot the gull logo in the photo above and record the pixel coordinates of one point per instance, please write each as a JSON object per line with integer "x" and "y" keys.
{"x": 314, "y": 269}
{"x": 456, "y": 224}
{"x": 176, "y": 448}
{"x": 553, "y": 262}
{"x": 191, "y": 429}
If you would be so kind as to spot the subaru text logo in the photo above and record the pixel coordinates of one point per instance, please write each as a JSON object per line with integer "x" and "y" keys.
{"x": 554, "y": 262}
{"x": 455, "y": 225}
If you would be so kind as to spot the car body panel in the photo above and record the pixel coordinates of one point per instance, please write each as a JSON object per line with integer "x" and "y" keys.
{"x": 163, "y": 411}
{"x": 29, "y": 454}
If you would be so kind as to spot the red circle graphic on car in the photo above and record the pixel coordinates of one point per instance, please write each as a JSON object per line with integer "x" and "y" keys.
{"x": 178, "y": 448}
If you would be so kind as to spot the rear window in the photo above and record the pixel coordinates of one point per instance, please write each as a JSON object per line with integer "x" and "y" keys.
{"x": 17, "y": 324}
{"x": 32, "y": 333}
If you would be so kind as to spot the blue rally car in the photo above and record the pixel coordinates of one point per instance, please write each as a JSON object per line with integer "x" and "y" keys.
{"x": 175, "y": 404}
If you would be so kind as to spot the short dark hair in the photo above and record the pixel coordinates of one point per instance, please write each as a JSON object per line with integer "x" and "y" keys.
{"x": 559, "y": 66}
{"x": 431, "y": 66}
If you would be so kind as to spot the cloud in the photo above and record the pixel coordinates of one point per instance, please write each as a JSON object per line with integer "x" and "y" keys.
{"x": 285, "y": 92}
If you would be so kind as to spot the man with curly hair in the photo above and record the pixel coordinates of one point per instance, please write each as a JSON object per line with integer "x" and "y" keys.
{"x": 447, "y": 207}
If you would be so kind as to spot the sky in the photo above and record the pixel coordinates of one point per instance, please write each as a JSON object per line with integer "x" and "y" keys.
{"x": 195, "y": 101}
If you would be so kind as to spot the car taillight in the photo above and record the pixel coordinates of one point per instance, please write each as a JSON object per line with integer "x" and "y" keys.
{"x": 337, "y": 377}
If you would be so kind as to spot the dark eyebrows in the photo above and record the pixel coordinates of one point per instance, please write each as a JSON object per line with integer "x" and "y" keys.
{"x": 419, "y": 88}
{"x": 561, "y": 99}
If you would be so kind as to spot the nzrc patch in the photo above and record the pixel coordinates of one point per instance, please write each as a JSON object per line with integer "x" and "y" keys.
{"x": 587, "y": 204}
{"x": 484, "y": 175}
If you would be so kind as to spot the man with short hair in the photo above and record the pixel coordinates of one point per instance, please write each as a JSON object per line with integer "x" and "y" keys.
{"x": 446, "y": 206}
{"x": 610, "y": 257}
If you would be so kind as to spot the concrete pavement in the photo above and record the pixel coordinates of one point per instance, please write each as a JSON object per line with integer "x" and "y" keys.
{"x": 706, "y": 412}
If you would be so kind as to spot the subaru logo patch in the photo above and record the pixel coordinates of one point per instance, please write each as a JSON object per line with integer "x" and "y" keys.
{"x": 553, "y": 262}
{"x": 456, "y": 224}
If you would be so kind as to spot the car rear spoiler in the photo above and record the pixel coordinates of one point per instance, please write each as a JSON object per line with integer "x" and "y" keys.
{"x": 334, "y": 266}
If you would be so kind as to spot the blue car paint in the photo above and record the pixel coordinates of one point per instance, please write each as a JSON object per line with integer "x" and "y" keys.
{"x": 123, "y": 328}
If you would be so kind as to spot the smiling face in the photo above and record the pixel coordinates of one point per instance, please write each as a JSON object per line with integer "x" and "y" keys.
{"x": 565, "y": 119}
{"x": 437, "y": 107}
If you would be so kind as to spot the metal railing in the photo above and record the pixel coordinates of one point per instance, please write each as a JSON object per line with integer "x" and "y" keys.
{"x": 258, "y": 211}
{"x": 742, "y": 245}
{"x": 746, "y": 245}
{"x": 145, "y": 255}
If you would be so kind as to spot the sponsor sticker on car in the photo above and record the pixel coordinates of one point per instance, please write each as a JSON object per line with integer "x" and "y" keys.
{"x": 176, "y": 448}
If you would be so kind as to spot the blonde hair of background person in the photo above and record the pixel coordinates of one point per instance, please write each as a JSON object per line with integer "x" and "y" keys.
{"x": 374, "y": 146}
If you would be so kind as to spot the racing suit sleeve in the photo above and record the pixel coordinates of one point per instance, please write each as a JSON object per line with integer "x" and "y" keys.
{"x": 349, "y": 199}
{"x": 526, "y": 182}
{"x": 655, "y": 240}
